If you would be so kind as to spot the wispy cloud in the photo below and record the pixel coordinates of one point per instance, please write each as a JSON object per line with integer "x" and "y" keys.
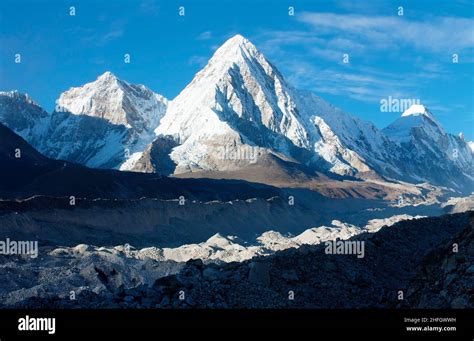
{"x": 111, "y": 35}
{"x": 367, "y": 84}
{"x": 89, "y": 36}
{"x": 436, "y": 34}
{"x": 419, "y": 52}
{"x": 206, "y": 35}
{"x": 200, "y": 61}
{"x": 149, "y": 7}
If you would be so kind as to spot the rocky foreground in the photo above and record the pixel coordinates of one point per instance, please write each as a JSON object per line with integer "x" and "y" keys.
{"x": 412, "y": 264}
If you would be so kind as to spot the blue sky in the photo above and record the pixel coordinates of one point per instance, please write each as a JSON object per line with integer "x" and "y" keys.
{"x": 405, "y": 57}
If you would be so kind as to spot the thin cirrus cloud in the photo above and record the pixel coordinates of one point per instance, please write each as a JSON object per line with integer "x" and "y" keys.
{"x": 198, "y": 60}
{"x": 435, "y": 34}
{"x": 371, "y": 40}
{"x": 149, "y": 7}
{"x": 111, "y": 35}
{"x": 363, "y": 83}
{"x": 100, "y": 39}
{"x": 369, "y": 85}
{"x": 206, "y": 35}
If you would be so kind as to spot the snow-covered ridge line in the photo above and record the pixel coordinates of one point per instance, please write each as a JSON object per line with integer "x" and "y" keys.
{"x": 19, "y": 95}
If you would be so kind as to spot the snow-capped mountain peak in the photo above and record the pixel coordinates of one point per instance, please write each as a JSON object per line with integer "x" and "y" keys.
{"x": 116, "y": 101}
{"x": 234, "y": 50}
{"x": 23, "y": 115}
{"x": 417, "y": 119}
{"x": 240, "y": 99}
{"x": 15, "y": 94}
{"x": 237, "y": 115}
{"x": 431, "y": 150}
{"x": 415, "y": 110}
{"x": 237, "y": 99}
{"x": 107, "y": 76}
{"x": 420, "y": 111}
{"x": 105, "y": 122}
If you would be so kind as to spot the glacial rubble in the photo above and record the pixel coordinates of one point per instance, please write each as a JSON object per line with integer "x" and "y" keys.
{"x": 303, "y": 277}
{"x": 91, "y": 270}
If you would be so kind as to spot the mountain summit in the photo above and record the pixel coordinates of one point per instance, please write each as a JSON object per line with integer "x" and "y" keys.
{"x": 416, "y": 110}
{"x": 103, "y": 123}
{"x": 432, "y": 154}
{"x": 234, "y": 50}
{"x": 237, "y": 86}
{"x": 118, "y": 102}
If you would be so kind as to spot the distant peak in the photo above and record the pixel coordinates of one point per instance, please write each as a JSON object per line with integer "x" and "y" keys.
{"x": 218, "y": 240}
{"x": 215, "y": 237}
{"x": 13, "y": 93}
{"x": 416, "y": 110}
{"x": 236, "y": 46}
{"x": 237, "y": 40}
{"x": 419, "y": 110}
{"x": 107, "y": 76}
{"x": 18, "y": 95}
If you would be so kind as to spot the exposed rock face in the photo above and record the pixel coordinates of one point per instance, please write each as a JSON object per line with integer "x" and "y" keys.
{"x": 23, "y": 115}
{"x": 155, "y": 158}
{"x": 26, "y": 173}
{"x": 445, "y": 279}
